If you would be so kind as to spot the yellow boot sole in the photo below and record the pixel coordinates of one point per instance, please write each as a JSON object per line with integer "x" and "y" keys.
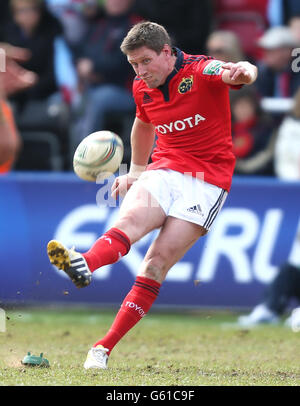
{"x": 58, "y": 255}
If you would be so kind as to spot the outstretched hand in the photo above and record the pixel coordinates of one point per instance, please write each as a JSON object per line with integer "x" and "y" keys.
{"x": 15, "y": 78}
{"x": 240, "y": 71}
{"x": 121, "y": 185}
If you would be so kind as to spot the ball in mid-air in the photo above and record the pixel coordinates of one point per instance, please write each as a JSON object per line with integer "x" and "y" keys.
{"x": 98, "y": 156}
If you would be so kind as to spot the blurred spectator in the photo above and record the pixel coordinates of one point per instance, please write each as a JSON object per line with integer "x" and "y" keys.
{"x": 225, "y": 46}
{"x": 246, "y": 18}
{"x": 294, "y": 24}
{"x": 74, "y": 27}
{"x": 279, "y": 12}
{"x": 286, "y": 284}
{"x": 33, "y": 28}
{"x": 188, "y": 23}
{"x": 287, "y": 148}
{"x": 284, "y": 287}
{"x": 92, "y": 10}
{"x": 70, "y": 15}
{"x": 276, "y": 77}
{"x": 39, "y": 108}
{"x": 229, "y": 8}
{"x": 13, "y": 78}
{"x": 104, "y": 73}
{"x": 253, "y": 134}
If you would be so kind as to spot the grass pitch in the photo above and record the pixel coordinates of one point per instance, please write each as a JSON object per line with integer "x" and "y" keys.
{"x": 164, "y": 349}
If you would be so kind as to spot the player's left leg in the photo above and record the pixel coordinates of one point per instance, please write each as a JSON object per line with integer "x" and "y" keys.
{"x": 174, "y": 240}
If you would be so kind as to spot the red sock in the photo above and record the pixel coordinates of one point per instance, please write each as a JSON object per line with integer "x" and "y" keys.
{"x": 134, "y": 307}
{"x": 113, "y": 245}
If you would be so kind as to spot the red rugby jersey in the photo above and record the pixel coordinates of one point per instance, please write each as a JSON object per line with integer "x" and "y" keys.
{"x": 192, "y": 119}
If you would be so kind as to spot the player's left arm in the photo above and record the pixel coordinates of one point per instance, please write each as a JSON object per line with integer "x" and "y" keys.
{"x": 240, "y": 73}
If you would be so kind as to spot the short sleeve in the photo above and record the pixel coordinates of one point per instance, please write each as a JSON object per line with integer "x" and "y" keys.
{"x": 141, "y": 114}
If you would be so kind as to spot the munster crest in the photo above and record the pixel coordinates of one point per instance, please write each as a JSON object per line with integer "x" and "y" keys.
{"x": 185, "y": 85}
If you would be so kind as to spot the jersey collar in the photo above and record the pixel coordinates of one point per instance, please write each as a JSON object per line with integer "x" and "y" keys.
{"x": 178, "y": 64}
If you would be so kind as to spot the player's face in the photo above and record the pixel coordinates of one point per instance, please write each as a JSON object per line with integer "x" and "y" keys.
{"x": 152, "y": 68}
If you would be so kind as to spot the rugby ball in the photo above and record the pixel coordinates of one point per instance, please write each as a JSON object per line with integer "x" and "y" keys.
{"x": 98, "y": 156}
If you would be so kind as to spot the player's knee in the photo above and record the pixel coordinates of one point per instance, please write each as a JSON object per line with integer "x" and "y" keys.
{"x": 203, "y": 232}
{"x": 131, "y": 225}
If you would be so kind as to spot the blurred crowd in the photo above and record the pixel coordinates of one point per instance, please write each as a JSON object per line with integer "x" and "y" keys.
{"x": 81, "y": 82}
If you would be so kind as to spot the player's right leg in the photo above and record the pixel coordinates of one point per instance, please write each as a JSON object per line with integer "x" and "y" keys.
{"x": 139, "y": 214}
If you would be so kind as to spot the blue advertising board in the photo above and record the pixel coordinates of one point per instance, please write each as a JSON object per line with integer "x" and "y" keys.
{"x": 256, "y": 231}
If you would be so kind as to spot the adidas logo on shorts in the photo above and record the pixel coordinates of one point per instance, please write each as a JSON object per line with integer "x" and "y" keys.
{"x": 195, "y": 209}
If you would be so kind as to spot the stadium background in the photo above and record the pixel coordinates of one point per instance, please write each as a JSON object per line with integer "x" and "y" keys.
{"x": 254, "y": 234}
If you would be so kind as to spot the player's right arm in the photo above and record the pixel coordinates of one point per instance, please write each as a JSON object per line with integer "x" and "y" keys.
{"x": 240, "y": 73}
{"x": 142, "y": 140}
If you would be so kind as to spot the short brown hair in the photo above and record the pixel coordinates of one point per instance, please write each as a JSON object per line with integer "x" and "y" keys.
{"x": 148, "y": 34}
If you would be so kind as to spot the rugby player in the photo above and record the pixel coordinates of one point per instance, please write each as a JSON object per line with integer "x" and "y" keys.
{"x": 183, "y": 100}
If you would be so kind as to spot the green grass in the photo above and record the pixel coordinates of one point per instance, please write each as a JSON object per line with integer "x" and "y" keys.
{"x": 164, "y": 349}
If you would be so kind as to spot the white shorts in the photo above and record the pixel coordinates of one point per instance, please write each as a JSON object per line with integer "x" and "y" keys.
{"x": 184, "y": 196}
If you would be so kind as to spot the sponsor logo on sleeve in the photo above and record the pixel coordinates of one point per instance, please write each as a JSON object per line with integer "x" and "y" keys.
{"x": 213, "y": 68}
